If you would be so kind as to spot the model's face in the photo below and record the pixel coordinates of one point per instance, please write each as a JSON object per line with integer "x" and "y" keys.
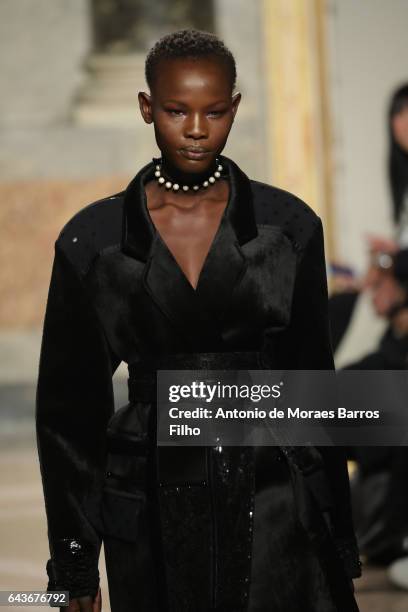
{"x": 192, "y": 109}
{"x": 400, "y": 128}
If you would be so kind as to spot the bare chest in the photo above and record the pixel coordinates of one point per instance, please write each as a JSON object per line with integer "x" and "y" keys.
{"x": 188, "y": 232}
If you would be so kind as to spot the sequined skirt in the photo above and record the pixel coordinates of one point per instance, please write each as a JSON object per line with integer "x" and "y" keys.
{"x": 195, "y": 529}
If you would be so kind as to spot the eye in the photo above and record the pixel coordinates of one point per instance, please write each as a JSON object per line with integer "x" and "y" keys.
{"x": 216, "y": 113}
{"x": 175, "y": 112}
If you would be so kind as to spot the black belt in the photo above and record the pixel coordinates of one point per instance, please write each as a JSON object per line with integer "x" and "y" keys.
{"x": 142, "y": 387}
{"x": 142, "y": 375}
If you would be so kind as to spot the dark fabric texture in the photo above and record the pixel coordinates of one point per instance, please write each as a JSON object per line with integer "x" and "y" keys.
{"x": 401, "y": 267}
{"x": 283, "y": 555}
{"x": 186, "y": 530}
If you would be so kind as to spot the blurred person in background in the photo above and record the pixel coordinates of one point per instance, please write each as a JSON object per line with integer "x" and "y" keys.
{"x": 398, "y": 162}
{"x": 346, "y": 287}
{"x": 379, "y": 488}
{"x": 194, "y": 266}
{"x": 379, "y": 484}
{"x": 386, "y": 529}
{"x": 387, "y": 283}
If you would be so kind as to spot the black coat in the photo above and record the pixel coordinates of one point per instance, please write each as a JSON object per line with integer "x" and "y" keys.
{"x": 210, "y": 529}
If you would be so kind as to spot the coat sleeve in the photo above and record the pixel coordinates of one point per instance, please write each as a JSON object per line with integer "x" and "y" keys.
{"x": 307, "y": 346}
{"x": 74, "y": 401}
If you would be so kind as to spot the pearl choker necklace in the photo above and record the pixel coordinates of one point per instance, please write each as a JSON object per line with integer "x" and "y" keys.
{"x": 175, "y": 186}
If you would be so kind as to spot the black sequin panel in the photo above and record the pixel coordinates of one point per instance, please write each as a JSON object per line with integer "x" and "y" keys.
{"x": 234, "y": 489}
{"x": 187, "y": 536}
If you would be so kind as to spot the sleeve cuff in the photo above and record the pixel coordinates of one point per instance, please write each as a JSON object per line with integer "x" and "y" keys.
{"x": 349, "y": 554}
{"x": 74, "y": 568}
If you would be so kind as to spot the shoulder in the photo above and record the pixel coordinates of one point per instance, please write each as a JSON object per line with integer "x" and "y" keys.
{"x": 275, "y": 206}
{"x": 93, "y": 229}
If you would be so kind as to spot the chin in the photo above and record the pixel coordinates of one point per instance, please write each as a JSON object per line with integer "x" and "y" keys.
{"x": 198, "y": 165}
{"x": 193, "y": 166}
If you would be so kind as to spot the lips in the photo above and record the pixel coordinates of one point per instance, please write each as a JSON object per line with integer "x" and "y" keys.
{"x": 194, "y": 152}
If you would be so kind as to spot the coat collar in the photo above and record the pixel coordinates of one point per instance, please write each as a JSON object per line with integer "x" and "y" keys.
{"x": 196, "y": 313}
{"x": 138, "y": 230}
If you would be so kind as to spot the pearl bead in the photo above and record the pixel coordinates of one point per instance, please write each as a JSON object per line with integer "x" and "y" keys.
{"x": 176, "y": 187}
{"x": 219, "y": 168}
{"x": 157, "y": 173}
{"x": 217, "y": 174}
{"x": 161, "y": 180}
{"x": 186, "y": 187}
{"x": 211, "y": 179}
{"x": 196, "y": 187}
{"x": 168, "y": 185}
{"x": 157, "y": 166}
{"x": 205, "y": 184}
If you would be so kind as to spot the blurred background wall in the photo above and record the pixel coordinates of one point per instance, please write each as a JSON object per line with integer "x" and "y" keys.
{"x": 316, "y": 77}
{"x": 69, "y": 120}
{"x": 367, "y": 47}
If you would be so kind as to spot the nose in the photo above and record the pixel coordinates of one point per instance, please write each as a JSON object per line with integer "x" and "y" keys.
{"x": 196, "y": 126}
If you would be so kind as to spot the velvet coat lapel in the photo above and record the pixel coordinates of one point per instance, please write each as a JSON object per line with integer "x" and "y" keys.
{"x": 192, "y": 311}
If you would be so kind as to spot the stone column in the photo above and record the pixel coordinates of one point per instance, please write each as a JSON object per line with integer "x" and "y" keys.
{"x": 298, "y": 108}
{"x": 239, "y": 24}
{"x": 42, "y": 44}
{"x": 124, "y": 30}
{"x": 108, "y": 96}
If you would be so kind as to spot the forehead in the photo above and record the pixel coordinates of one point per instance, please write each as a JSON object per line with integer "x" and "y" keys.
{"x": 188, "y": 77}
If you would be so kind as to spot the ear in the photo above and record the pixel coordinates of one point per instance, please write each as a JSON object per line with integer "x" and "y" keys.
{"x": 145, "y": 105}
{"x": 236, "y": 99}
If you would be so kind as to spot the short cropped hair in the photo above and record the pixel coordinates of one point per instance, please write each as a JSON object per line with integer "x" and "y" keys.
{"x": 189, "y": 44}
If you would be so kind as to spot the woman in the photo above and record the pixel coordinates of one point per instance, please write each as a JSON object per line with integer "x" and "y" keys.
{"x": 194, "y": 266}
{"x": 398, "y": 161}
{"x": 379, "y": 492}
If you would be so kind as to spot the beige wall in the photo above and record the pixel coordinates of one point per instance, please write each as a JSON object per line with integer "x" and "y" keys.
{"x": 368, "y": 58}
